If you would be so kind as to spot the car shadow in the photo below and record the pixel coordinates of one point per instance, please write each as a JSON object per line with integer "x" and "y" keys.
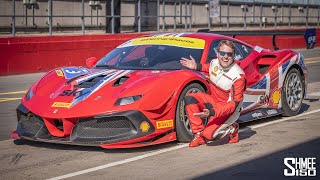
{"x": 312, "y": 99}
{"x": 304, "y": 108}
{"x": 22, "y": 142}
{"x": 268, "y": 166}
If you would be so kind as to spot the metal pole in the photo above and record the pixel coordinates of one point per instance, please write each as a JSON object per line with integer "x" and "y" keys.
{"x": 228, "y": 14}
{"x": 26, "y": 15}
{"x": 175, "y": 16}
{"x": 307, "y": 14}
{"x": 139, "y": 16}
{"x": 82, "y": 17}
{"x": 275, "y": 16}
{"x": 260, "y": 16}
{"x": 282, "y": 12}
{"x": 318, "y": 16}
{"x": 290, "y": 15}
{"x": 163, "y": 14}
{"x": 180, "y": 7}
{"x": 112, "y": 16}
{"x": 97, "y": 15}
{"x": 253, "y": 12}
{"x": 91, "y": 18}
{"x": 33, "y": 16}
{"x": 158, "y": 15}
{"x": 245, "y": 17}
{"x": 209, "y": 21}
{"x": 50, "y": 17}
{"x": 190, "y": 12}
{"x": 186, "y": 16}
{"x": 13, "y": 18}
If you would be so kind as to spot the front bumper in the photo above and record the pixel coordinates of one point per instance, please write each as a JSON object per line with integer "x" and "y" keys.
{"x": 91, "y": 131}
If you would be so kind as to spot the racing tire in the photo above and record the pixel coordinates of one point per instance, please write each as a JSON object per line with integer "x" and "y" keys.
{"x": 292, "y": 93}
{"x": 183, "y": 128}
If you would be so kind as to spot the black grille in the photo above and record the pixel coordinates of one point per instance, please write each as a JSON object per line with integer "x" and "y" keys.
{"x": 105, "y": 128}
{"x": 32, "y": 126}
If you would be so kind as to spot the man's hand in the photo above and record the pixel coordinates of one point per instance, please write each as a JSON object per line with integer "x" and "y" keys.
{"x": 203, "y": 114}
{"x": 189, "y": 63}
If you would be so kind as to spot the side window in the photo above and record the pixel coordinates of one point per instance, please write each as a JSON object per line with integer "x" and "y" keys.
{"x": 243, "y": 51}
{"x": 212, "y": 51}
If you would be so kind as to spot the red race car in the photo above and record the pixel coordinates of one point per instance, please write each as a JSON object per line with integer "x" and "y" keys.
{"x": 133, "y": 96}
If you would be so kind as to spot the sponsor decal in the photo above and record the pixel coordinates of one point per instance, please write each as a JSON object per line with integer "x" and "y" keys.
{"x": 61, "y": 104}
{"x": 258, "y": 49}
{"x": 257, "y": 114}
{"x": 276, "y": 95}
{"x": 59, "y": 73}
{"x": 300, "y": 166}
{"x": 264, "y": 99}
{"x": 74, "y": 92}
{"x": 144, "y": 126}
{"x": 55, "y": 111}
{"x": 272, "y": 112}
{"x": 164, "y": 124}
{"x": 71, "y": 72}
{"x": 167, "y": 40}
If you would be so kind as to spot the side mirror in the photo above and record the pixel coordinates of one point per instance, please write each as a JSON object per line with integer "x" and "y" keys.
{"x": 90, "y": 62}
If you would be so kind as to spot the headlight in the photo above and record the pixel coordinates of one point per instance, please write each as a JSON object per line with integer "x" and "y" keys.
{"x": 127, "y": 100}
{"x": 30, "y": 94}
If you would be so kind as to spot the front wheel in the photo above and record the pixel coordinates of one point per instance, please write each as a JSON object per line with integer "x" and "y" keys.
{"x": 292, "y": 93}
{"x": 183, "y": 128}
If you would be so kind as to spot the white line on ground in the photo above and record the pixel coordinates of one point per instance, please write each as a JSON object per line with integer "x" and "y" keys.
{"x": 166, "y": 150}
{"x": 314, "y": 94}
{"x": 119, "y": 162}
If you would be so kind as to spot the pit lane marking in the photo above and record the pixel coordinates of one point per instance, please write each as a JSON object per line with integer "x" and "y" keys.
{"x": 105, "y": 166}
{"x": 14, "y": 92}
{"x": 314, "y": 94}
{"x": 307, "y": 59}
{"x": 9, "y": 99}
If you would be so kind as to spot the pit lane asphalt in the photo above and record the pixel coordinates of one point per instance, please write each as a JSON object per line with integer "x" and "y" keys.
{"x": 259, "y": 154}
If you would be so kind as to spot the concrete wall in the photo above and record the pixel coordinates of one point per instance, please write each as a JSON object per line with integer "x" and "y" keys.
{"x": 21, "y": 55}
{"x": 199, "y": 13}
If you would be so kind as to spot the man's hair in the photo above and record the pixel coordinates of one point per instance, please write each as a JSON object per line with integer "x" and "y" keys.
{"x": 227, "y": 43}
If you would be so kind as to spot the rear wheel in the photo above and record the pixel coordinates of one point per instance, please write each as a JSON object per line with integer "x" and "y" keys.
{"x": 183, "y": 128}
{"x": 292, "y": 93}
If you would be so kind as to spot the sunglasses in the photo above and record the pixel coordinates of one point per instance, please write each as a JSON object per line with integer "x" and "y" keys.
{"x": 222, "y": 53}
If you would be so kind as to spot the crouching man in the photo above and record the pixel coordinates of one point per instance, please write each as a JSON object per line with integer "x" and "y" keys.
{"x": 222, "y": 107}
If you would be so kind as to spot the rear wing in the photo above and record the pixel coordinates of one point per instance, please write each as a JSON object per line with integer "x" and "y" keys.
{"x": 309, "y": 35}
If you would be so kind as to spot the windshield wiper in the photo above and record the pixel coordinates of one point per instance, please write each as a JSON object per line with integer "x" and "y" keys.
{"x": 106, "y": 66}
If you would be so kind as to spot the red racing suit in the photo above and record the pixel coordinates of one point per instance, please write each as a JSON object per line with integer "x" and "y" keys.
{"x": 224, "y": 103}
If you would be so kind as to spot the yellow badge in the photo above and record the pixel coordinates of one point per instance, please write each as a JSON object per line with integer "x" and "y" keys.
{"x": 213, "y": 73}
{"x": 215, "y": 68}
{"x": 59, "y": 72}
{"x": 144, "y": 126}
{"x": 164, "y": 124}
{"x": 61, "y": 104}
{"x": 276, "y": 95}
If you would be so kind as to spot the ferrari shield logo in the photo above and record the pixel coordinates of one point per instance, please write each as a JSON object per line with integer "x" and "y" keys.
{"x": 59, "y": 72}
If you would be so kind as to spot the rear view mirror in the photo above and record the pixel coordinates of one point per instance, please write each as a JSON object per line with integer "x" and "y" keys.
{"x": 90, "y": 62}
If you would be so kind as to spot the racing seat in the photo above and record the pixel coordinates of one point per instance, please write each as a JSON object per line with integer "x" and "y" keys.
{"x": 150, "y": 53}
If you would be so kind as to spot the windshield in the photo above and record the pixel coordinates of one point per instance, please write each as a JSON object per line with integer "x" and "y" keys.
{"x": 161, "y": 52}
